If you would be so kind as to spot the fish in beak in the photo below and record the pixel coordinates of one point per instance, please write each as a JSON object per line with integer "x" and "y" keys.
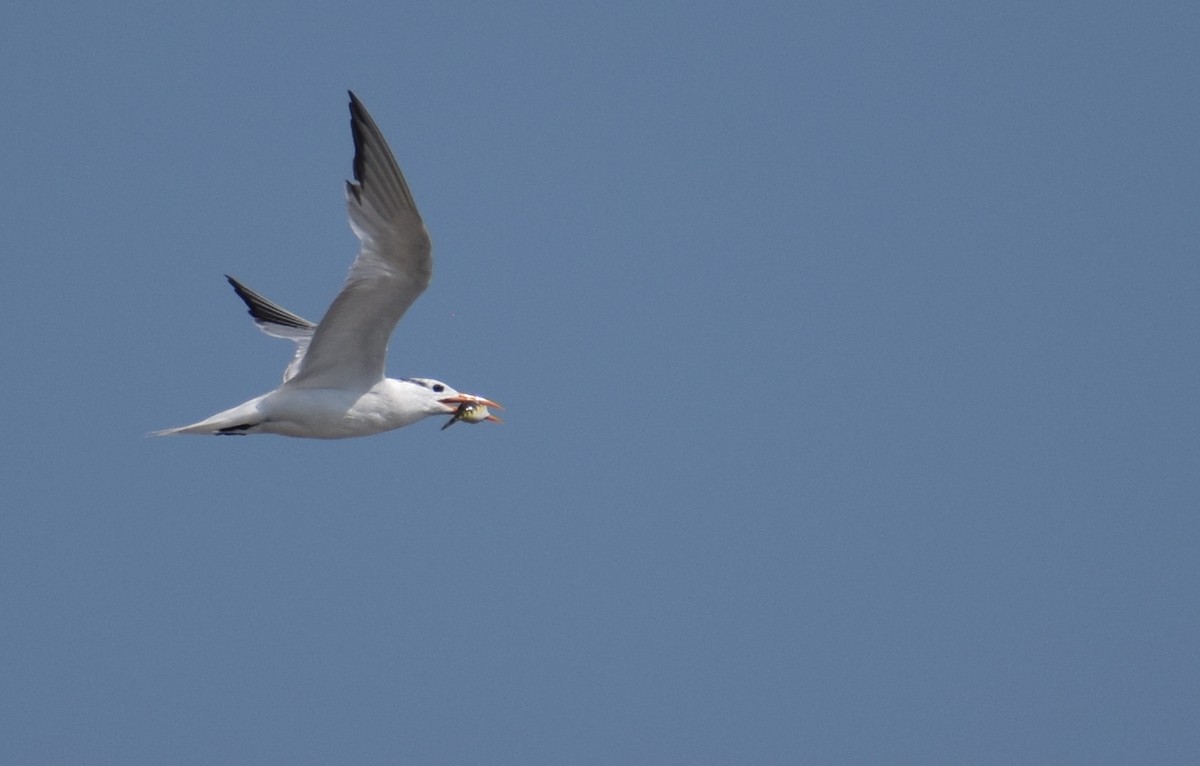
{"x": 470, "y": 409}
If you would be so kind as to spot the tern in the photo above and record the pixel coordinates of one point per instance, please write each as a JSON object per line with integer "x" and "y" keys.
{"x": 335, "y": 386}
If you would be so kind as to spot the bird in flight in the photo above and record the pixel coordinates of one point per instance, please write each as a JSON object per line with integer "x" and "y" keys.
{"x": 335, "y": 386}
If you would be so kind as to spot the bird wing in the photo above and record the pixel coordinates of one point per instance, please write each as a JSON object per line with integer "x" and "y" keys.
{"x": 277, "y": 322}
{"x": 393, "y": 267}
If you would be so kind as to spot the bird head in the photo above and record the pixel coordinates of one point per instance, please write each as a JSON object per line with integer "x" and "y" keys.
{"x": 444, "y": 400}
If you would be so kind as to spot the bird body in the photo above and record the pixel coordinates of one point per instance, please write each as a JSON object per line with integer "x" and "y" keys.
{"x": 335, "y": 387}
{"x": 327, "y": 413}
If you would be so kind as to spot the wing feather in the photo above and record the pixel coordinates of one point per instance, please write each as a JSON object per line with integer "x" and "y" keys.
{"x": 277, "y": 322}
{"x": 393, "y": 267}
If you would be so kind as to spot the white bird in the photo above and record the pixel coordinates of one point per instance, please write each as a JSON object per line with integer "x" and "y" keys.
{"x": 335, "y": 386}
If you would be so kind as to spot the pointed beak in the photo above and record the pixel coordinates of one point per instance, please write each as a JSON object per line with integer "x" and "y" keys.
{"x": 469, "y": 399}
{"x": 467, "y": 409}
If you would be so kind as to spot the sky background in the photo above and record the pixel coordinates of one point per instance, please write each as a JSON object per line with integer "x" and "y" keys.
{"x": 849, "y": 353}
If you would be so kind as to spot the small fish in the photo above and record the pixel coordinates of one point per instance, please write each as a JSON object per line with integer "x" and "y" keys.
{"x": 471, "y": 412}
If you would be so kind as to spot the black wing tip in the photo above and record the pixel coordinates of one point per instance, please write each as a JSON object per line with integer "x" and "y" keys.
{"x": 248, "y": 296}
{"x": 373, "y": 157}
{"x": 359, "y": 119}
{"x": 243, "y": 292}
{"x": 263, "y": 310}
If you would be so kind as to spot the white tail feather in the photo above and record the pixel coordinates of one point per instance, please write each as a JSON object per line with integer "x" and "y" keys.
{"x": 242, "y": 419}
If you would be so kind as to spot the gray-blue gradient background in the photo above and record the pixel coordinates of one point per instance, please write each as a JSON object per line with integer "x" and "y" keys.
{"x": 849, "y": 351}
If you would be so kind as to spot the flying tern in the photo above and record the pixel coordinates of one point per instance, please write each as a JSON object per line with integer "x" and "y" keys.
{"x": 335, "y": 386}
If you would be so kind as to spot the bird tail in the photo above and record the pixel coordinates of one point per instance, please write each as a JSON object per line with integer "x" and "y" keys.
{"x": 238, "y": 421}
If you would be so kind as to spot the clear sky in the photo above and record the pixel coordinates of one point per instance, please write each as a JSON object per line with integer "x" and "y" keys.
{"x": 849, "y": 353}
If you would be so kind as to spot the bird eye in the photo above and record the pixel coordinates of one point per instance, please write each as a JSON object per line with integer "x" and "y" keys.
{"x": 438, "y": 388}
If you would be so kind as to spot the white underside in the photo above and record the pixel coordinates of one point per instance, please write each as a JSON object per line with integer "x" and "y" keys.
{"x": 322, "y": 413}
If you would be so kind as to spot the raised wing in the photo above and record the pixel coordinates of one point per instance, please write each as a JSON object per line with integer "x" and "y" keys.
{"x": 393, "y": 267}
{"x": 277, "y": 322}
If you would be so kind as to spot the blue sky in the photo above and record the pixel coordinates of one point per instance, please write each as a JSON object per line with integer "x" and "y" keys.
{"x": 848, "y": 350}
